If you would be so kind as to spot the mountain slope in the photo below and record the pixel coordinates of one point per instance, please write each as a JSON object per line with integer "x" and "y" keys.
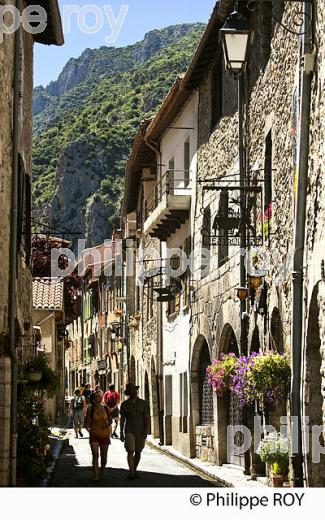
{"x": 84, "y": 124}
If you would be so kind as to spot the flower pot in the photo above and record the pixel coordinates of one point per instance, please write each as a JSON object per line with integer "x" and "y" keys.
{"x": 35, "y": 376}
{"x": 278, "y": 480}
{"x": 137, "y": 317}
{"x": 117, "y": 312}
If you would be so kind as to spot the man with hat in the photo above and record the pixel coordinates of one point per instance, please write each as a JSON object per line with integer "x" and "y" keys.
{"x": 135, "y": 425}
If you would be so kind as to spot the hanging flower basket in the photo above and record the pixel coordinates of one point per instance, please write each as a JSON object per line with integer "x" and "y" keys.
{"x": 34, "y": 376}
{"x": 264, "y": 377}
{"x": 117, "y": 312}
{"x": 222, "y": 372}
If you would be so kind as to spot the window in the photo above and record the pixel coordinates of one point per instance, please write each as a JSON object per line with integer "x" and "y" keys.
{"x": 175, "y": 304}
{"x": 186, "y": 275}
{"x": 223, "y": 249}
{"x": 171, "y": 172}
{"x": 216, "y": 95}
{"x": 169, "y": 395}
{"x": 183, "y": 399}
{"x": 24, "y": 209}
{"x": 206, "y": 242}
{"x": 186, "y": 163}
{"x": 150, "y": 299}
{"x": 268, "y": 166}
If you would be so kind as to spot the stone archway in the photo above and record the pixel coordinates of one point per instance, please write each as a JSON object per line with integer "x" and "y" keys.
{"x": 314, "y": 394}
{"x": 202, "y": 409}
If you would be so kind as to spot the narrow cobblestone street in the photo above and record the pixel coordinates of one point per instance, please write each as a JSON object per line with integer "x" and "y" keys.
{"x": 156, "y": 470}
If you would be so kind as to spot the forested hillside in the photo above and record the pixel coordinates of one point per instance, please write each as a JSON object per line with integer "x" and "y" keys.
{"x": 84, "y": 125}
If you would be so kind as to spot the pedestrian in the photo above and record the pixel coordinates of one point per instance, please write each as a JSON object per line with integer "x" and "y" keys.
{"x": 112, "y": 399}
{"x": 98, "y": 423}
{"x": 99, "y": 391}
{"x": 87, "y": 393}
{"x": 77, "y": 410}
{"x": 135, "y": 425}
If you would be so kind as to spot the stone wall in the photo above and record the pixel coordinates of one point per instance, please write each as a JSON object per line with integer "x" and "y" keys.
{"x": 269, "y": 95}
{"x": 204, "y": 443}
{"x": 6, "y": 164}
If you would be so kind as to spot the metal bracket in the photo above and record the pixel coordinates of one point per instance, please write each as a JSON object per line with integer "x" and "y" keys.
{"x": 309, "y": 63}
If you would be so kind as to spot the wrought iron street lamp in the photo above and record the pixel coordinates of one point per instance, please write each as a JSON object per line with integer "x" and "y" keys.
{"x": 242, "y": 293}
{"x": 235, "y": 35}
{"x": 255, "y": 281}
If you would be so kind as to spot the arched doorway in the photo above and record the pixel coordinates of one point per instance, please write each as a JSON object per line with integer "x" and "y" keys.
{"x": 205, "y": 389}
{"x": 256, "y": 344}
{"x": 202, "y": 408}
{"x": 229, "y": 410}
{"x": 313, "y": 397}
{"x": 147, "y": 393}
{"x": 276, "y": 331}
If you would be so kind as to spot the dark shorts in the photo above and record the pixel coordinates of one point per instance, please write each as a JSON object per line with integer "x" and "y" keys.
{"x": 115, "y": 413}
{"x": 102, "y": 442}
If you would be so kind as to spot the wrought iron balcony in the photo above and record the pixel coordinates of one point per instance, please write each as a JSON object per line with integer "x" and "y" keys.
{"x": 168, "y": 205}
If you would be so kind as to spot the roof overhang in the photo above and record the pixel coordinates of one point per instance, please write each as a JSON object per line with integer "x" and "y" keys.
{"x": 142, "y": 156}
{"x": 53, "y": 34}
{"x": 151, "y": 131}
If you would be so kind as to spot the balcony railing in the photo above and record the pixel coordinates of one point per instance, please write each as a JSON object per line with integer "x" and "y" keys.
{"x": 173, "y": 183}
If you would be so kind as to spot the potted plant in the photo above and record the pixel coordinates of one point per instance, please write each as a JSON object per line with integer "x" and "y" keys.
{"x": 41, "y": 376}
{"x": 274, "y": 451}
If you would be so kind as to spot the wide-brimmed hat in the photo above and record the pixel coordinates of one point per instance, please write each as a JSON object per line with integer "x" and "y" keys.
{"x": 129, "y": 387}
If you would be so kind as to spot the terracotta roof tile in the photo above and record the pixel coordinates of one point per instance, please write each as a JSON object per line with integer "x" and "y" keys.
{"x": 47, "y": 294}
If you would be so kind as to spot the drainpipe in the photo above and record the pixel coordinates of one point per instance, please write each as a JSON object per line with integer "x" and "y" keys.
{"x": 299, "y": 243}
{"x": 12, "y": 307}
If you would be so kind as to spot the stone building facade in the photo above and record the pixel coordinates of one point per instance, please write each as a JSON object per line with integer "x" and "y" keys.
{"x": 15, "y": 161}
{"x": 271, "y": 97}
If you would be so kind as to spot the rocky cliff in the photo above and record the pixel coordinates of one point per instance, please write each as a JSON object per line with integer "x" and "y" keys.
{"x": 84, "y": 124}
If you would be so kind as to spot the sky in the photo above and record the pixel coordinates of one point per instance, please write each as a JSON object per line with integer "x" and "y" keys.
{"x": 89, "y": 23}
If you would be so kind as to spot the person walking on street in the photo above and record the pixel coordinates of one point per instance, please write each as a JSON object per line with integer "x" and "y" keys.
{"x": 99, "y": 391}
{"x": 135, "y": 425}
{"x": 112, "y": 399}
{"x": 87, "y": 392}
{"x": 77, "y": 411}
{"x": 98, "y": 423}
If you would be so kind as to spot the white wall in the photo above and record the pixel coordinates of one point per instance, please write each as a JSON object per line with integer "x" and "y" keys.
{"x": 176, "y": 330}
